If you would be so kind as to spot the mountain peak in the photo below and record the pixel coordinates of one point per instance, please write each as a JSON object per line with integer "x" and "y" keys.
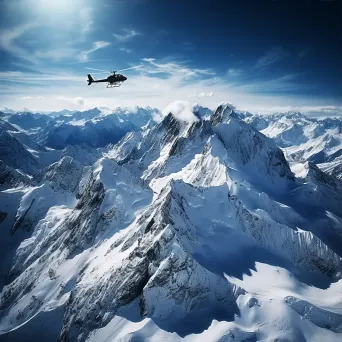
{"x": 222, "y": 114}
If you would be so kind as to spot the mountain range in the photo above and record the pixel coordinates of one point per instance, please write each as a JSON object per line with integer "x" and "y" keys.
{"x": 136, "y": 225}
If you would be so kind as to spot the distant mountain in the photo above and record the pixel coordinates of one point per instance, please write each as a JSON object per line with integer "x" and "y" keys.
{"x": 29, "y": 121}
{"x": 91, "y": 128}
{"x": 93, "y": 133}
{"x": 97, "y": 132}
{"x": 202, "y": 112}
{"x": 333, "y": 167}
{"x": 85, "y": 115}
{"x": 5, "y": 110}
{"x": 63, "y": 112}
{"x": 303, "y": 138}
{"x": 138, "y": 116}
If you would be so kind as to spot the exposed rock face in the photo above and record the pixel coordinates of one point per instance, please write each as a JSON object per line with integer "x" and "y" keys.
{"x": 222, "y": 114}
{"x": 14, "y": 154}
{"x": 10, "y": 178}
{"x": 63, "y": 175}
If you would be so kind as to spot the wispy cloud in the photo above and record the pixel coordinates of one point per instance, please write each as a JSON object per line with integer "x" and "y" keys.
{"x": 303, "y": 53}
{"x": 270, "y": 57}
{"x": 83, "y": 56}
{"x": 174, "y": 68}
{"x": 125, "y": 50}
{"x": 284, "y": 83}
{"x": 202, "y": 94}
{"x": 324, "y": 111}
{"x": 318, "y": 111}
{"x": 38, "y": 78}
{"x": 126, "y": 34}
{"x": 25, "y": 98}
{"x": 182, "y": 110}
{"x": 34, "y": 49}
{"x": 56, "y": 54}
{"x": 79, "y": 101}
{"x": 234, "y": 72}
{"x": 8, "y": 40}
{"x": 86, "y": 19}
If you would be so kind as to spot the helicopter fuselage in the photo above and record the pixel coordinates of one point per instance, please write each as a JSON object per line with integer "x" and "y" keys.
{"x": 112, "y": 80}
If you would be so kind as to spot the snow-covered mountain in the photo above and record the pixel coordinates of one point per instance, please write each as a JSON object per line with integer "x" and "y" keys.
{"x": 304, "y": 139}
{"x": 29, "y": 121}
{"x": 194, "y": 231}
{"x": 93, "y": 128}
{"x": 333, "y": 167}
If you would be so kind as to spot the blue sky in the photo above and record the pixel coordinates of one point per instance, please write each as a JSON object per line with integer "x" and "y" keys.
{"x": 260, "y": 55}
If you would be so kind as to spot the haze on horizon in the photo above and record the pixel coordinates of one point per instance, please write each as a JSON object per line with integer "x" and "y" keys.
{"x": 262, "y": 56}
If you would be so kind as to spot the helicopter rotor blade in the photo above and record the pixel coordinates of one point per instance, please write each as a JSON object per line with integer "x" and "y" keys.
{"x": 100, "y": 73}
{"x": 138, "y": 66}
{"x": 97, "y": 69}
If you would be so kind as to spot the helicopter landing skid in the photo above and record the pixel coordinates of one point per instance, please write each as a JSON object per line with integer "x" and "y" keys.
{"x": 113, "y": 85}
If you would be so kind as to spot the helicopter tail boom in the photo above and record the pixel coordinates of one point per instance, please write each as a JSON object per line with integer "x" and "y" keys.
{"x": 90, "y": 79}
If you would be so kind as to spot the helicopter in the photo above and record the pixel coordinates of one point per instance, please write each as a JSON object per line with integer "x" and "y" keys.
{"x": 113, "y": 81}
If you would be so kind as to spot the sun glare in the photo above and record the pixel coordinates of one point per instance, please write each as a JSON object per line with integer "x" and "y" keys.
{"x": 55, "y": 7}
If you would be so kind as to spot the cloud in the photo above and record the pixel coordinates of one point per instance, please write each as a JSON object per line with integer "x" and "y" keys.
{"x": 38, "y": 77}
{"x": 56, "y": 54}
{"x": 126, "y": 34}
{"x": 321, "y": 111}
{"x": 83, "y": 56}
{"x": 206, "y": 94}
{"x": 26, "y": 98}
{"x": 79, "y": 101}
{"x": 40, "y": 97}
{"x": 270, "y": 57}
{"x": 274, "y": 85}
{"x": 312, "y": 111}
{"x": 202, "y": 94}
{"x": 173, "y": 68}
{"x": 233, "y": 72}
{"x": 8, "y": 38}
{"x": 87, "y": 22}
{"x": 125, "y": 50}
{"x": 303, "y": 53}
{"x": 182, "y": 110}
